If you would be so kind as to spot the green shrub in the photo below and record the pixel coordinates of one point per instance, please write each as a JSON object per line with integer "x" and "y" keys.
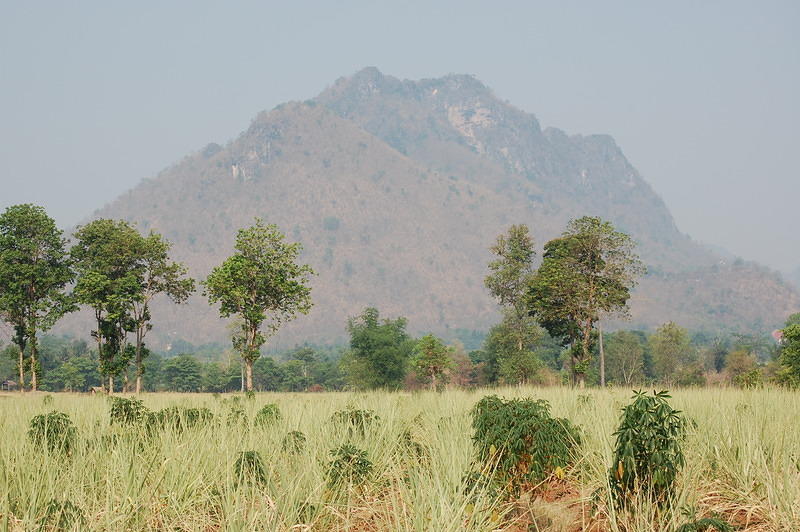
{"x": 127, "y": 411}
{"x": 47, "y": 400}
{"x": 250, "y": 395}
{"x": 237, "y": 415}
{"x": 648, "y": 454}
{"x": 702, "y": 525}
{"x": 349, "y": 466}
{"x": 62, "y": 515}
{"x": 54, "y": 431}
{"x": 249, "y": 468}
{"x": 751, "y": 379}
{"x": 521, "y": 442}
{"x": 269, "y": 414}
{"x": 294, "y": 442}
{"x": 356, "y": 421}
{"x": 178, "y": 418}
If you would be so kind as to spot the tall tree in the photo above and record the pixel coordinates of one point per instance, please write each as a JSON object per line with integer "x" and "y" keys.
{"x": 625, "y": 357}
{"x": 789, "y": 358}
{"x": 262, "y": 285}
{"x": 431, "y": 360}
{"x": 159, "y": 275}
{"x": 508, "y": 281}
{"x": 34, "y": 271}
{"x": 585, "y": 275}
{"x": 379, "y": 350}
{"x": 672, "y": 351}
{"x": 110, "y": 271}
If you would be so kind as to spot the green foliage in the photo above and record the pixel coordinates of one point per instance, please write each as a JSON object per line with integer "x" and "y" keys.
{"x": 431, "y": 360}
{"x": 672, "y": 350}
{"x": 127, "y": 411}
{"x": 179, "y": 418}
{"x": 648, "y": 454}
{"x": 249, "y": 469}
{"x": 268, "y": 415}
{"x": 379, "y": 350}
{"x": 62, "y": 515}
{"x": 349, "y": 466}
{"x": 54, "y": 431}
{"x": 586, "y": 274}
{"x": 789, "y": 359}
{"x": 262, "y": 285}
{"x": 356, "y": 421}
{"x": 519, "y": 442}
{"x": 294, "y": 442}
{"x": 705, "y": 524}
{"x": 34, "y": 272}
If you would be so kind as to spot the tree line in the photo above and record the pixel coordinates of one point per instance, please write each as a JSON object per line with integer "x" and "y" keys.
{"x": 549, "y": 329}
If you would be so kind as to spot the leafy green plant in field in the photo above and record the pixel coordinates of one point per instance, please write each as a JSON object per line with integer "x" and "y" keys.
{"x": 237, "y": 414}
{"x": 54, "y": 431}
{"x": 520, "y": 443}
{"x": 356, "y": 421}
{"x": 179, "y": 418}
{"x": 47, "y": 400}
{"x": 62, "y": 515}
{"x": 249, "y": 468}
{"x": 269, "y": 414}
{"x": 702, "y": 525}
{"x": 250, "y": 395}
{"x": 127, "y": 411}
{"x": 294, "y": 442}
{"x": 349, "y": 466}
{"x": 648, "y": 453}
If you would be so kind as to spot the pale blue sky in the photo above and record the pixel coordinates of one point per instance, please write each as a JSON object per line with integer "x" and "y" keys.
{"x": 701, "y": 96}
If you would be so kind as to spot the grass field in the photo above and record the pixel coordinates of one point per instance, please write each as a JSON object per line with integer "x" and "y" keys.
{"x": 742, "y": 462}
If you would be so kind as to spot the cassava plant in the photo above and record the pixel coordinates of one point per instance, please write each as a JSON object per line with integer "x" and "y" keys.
{"x": 648, "y": 454}
{"x": 269, "y": 414}
{"x": 519, "y": 443}
{"x": 349, "y": 467}
{"x": 55, "y": 431}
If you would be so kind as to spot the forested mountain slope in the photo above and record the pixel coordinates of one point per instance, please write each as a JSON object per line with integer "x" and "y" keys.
{"x": 396, "y": 189}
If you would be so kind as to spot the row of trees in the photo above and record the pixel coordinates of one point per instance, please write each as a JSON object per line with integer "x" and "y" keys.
{"x": 117, "y": 272}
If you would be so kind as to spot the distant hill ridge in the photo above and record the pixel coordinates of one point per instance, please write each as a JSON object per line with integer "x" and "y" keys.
{"x": 396, "y": 189}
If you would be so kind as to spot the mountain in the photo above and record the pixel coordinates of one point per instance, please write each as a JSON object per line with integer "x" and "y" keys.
{"x": 397, "y": 188}
{"x": 794, "y": 277}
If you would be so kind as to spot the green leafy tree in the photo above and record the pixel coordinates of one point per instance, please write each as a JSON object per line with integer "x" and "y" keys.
{"x": 625, "y": 358}
{"x": 34, "y": 271}
{"x": 379, "y": 350}
{"x": 505, "y": 361}
{"x": 159, "y": 275}
{"x": 672, "y": 351}
{"x": 182, "y": 373}
{"x": 262, "y": 285}
{"x": 110, "y": 273}
{"x": 789, "y": 359}
{"x": 431, "y": 360}
{"x": 586, "y": 274}
{"x": 510, "y": 276}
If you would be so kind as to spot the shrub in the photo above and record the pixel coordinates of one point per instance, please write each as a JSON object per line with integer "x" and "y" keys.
{"x": 648, "y": 454}
{"x": 249, "y": 468}
{"x": 521, "y": 441}
{"x": 127, "y": 411}
{"x": 269, "y": 414}
{"x": 62, "y": 515}
{"x": 55, "y": 431}
{"x": 349, "y": 466}
{"x": 47, "y": 400}
{"x": 294, "y": 442}
{"x": 178, "y": 418}
{"x": 356, "y": 421}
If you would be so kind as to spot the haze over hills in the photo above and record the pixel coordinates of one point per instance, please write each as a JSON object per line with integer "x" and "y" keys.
{"x": 396, "y": 189}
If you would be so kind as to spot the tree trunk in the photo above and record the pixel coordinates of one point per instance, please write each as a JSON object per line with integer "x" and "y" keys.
{"x": 110, "y": 384}
{"x": 602, "y": 358}
{"x": 139, "y": 363}
{"x": 433, "y": 382}
{"x": 581, "y": 381}
{"x": 249, "y": 367}
{"x": 21, "y": 370}
{"x": 34, "y": 380}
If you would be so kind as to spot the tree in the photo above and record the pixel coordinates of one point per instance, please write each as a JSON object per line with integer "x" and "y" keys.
{"x": 586, "y": 274}
{"x": 672, "y": 351}
{"x": 789, "y": 359}
{"x": 431, "y": 360}
{"x": 34, "y": 271}
{"x": 109, "y": 271}
{"x": 262, "y": 285}
{"x": 625, "y": 355}
{"x": 182, "y": 374}
{"x": 159, "y": 275}
{"x": 505, "y": 360}
{"x": 508, "y": 281}
{"x": 379, "y": 350}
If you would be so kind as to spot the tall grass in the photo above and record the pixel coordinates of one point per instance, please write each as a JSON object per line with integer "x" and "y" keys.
{"x": 742, "y": 454}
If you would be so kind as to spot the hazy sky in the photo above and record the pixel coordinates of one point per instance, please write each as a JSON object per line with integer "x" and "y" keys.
{"x": 701, "y": 96}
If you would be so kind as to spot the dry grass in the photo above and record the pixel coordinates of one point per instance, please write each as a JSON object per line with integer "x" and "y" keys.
{"x": 743, "y": 463}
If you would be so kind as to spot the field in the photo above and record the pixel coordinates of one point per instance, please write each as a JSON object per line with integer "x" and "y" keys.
{"x": 742, "y": 463}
